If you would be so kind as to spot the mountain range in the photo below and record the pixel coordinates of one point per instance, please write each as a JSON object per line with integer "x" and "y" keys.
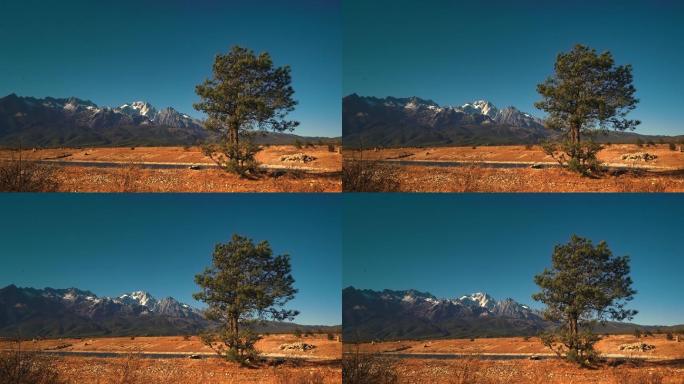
{"x": 48, "y": 312}
{"x": 414, "y": 122}
{"x": 410, "y": 314}
{"x": 73, "y": 122}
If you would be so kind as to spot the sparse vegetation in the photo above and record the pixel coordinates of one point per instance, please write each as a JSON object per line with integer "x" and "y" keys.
{"x": 20, "y": 175}
{"x": 369, "y": 176}
{"x": 366, "y": 368}
{"x": 21, "y": 367}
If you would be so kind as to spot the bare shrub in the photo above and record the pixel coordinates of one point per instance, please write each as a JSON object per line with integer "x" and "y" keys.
{"x": 21, "y": 367}
{"x": 365, "y": 368}
{"x": 129, "y": 175}
{"x": 289, "y": 376}
{"x": 128, "y": 372}
{"x": 21, "y": 175}
{"x": 369, "y": 176}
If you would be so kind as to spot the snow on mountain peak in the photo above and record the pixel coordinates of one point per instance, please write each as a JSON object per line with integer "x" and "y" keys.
{"x": 481, "y": 299}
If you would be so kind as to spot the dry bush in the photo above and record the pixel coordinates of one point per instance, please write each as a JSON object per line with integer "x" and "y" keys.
{"x": 365, "y": 368}
{"x": 20, "y": 367}
{"x": 289, "y": 376}
{"x": 21, "y": 175}
{"x": 636, "y": 376}
{"x": 369, "y": 176}
{"x": 129, "y": 176}
{"x": 128, "y": 372}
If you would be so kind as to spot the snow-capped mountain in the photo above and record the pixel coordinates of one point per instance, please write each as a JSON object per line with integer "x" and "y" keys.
{"x": 389, "y": 314}
{"x": 72, "y": 311}
{"x": 75, "y": 122}
{"x": 414, "y": 121}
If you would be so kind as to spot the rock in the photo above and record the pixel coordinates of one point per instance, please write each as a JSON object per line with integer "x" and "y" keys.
{"x": 640, "y": 346}
{"x": 297, "y": 157}
{"x": 639, "y": 156}
{"x": 299, "y": 346}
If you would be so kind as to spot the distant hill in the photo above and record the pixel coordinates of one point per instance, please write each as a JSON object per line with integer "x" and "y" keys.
{"x": 73, "y": 122}
{"x": 396, "y": 315}
{"x": 414, "y": 122}
{"x": 30, "y": 312}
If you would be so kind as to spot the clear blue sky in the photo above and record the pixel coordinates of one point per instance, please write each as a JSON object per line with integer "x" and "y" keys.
{"x": 111, "y": 244}
{"x": 153, "y": 50}
{"x": 458, "y": 51}
{"x": 454, "y": 244}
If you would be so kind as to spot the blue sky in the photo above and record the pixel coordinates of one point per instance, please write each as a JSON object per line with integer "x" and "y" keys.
{"x": 455, "y": 244}
{"x": 458, "y": 51}
{"x": 153, "y": 50}
{"x": 111, "y": 244}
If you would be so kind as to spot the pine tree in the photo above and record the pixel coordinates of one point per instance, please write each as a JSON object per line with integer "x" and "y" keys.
{"x": 585, "y": 285}
{"x": 586, "y": 95}
{"x": 244, "y": 285}
{"x": 247, "y": 94}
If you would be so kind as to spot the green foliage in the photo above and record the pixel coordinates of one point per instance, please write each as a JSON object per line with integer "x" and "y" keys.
{"x": 579, "y": 157}
{"x": 246, "y": 94}
{"x": 245, "y": 284}
{"x": 586, "y": 284}
{"x": 587, "y": 94}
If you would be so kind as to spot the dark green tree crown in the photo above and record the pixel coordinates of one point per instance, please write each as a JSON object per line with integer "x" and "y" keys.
{"x": 247, "y": 281}
{"x": 586, "y": 282}
{"x": 589, "y": 91}
{"x": 247, "y": 92}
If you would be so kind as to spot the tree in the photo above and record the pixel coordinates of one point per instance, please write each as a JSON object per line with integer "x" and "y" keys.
{"x": 587, "y": 94}
{"x": 585, "y": 285}
{"x": 246, "y": 94}
{"x": 244, "y": 285}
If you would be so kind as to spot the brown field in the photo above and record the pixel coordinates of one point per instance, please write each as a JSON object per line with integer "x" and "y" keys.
{"x": 320, "y": 365}
{"x": 320, "y": 175}
{"x": 665, "y": 364}
{"x": 664, "y": 174}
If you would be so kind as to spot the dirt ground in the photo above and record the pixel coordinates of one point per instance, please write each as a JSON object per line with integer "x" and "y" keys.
{"x": 320, "y": 175}
{"x": 135, "y": 370}
{"x": 416, "y": 371}
{"x": 268, "y": 346}
{"x": 316, "y": 366}
{"x": 665, "y": 349}
{"x": 481, "y": 179}
{"x": 664, "y": 174}
{"x": 665, "y": 366}
{"x": 610, "y": 155}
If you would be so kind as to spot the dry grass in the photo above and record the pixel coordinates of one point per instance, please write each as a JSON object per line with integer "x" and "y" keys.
{"x": 18, "y": 174}
{"x": 369, "y": 176}
{"x": 416, "y": 371}
{"x": 21, "y": 367}
{"x": 482, "y": 179}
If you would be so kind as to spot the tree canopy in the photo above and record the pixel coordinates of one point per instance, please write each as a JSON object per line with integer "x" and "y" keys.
{"x": 585, "y": 284}
{"x": 244, "y": 284}
{"x": 247, "y": 93}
